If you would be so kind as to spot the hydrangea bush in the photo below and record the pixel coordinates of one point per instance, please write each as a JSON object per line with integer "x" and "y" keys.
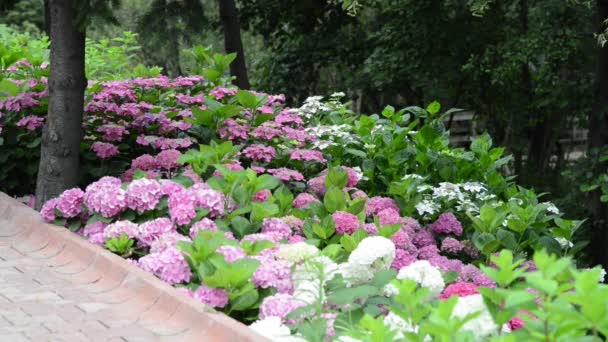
{"x": 311, "y": 223}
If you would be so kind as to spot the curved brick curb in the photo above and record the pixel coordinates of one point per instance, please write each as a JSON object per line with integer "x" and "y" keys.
{"x": 45, "y": 260}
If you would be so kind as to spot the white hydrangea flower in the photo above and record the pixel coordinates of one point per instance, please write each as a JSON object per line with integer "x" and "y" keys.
{"x": 311, "y": 268}
{"x": 296, "y": 252}
{"x": 271, "y": 328}
{"x": 552, "y": 208}
{"x": 427, "y": 206}
{"x": 347, "y": 339}
{"x": 564, "y": 243}
{"x": 481, "y": 326}
{"x": 309, "y": 292}
{"x": 448, "y": 190}
{"x": 376, "y": 252}
{"x": 475, "y": 187}
{"x": 390, "y": 290}
{"x": 412, "y": 176}
{"x": 338, "y": 94}
{"x": 425, "y": 274}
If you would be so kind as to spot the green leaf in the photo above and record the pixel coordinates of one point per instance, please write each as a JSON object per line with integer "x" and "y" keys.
{"x": 241, "y": 226}
{"x": 266, "y": 182}
{"x": 8, "y": 87}
{"x": 433, "y": 108}
{"x": 245, "y": 301}
{"x": 260, "y": 211}
{"x": 336, "y": 177}
{"x": 350, "y": 295}
{"x": 388, "y": 111}
{"x": 334, "y": 199}
{"x": 247, "y": 99}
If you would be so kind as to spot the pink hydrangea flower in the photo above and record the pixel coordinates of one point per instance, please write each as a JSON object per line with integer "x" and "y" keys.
{"x": 182, "y": 206}
{"x": 346, "y": 223}
{"x": 144, "y": 162}
{"x": 31, "y": 122}
{"x": 279, "y": 305}
{"x": 150, "y": 231}
{"x": 389, "y": 216}
{"x": 359, "y": 194}
{"x": 258, "y": 152}
{"x": 167, "y": 159}
{"x": 427, "y": 252}
{"x": 370, "y": 228}
{"x": 307, "y": 155}
{"x": 112, "y": 132}
{"x": 296, "y": 238}
{"x": 276, "y": 226}
{"x": 48, "y": 210}
{"x": 167, "y": 240}
{"x": 447, "y": 223}
{"x": 169, "y": 265}
{"x": 217, "y": 298}
{"x": 516, "y": 323}
{"x": 294, "y": 223}
{"x": 274, "y": 273}
{"x": 376, "y": 204}
{"x": 231, "y": 130}
{"x": 94, "y": 232}
{"x": 403, "y": 241}
{"x": 231, "y": 253}
{"x": 445, "y": 264}
{"x": 286, "y": 174}
{"x": 143, "y": 194}
{"x": 460, "y": 289}
{"x": 70, "y": 202}
{"x": 104, "y": 150}
{"x": 317, "y": 185}
{"x": 262, "y": 195}
{"x": 169, "y": 187}
{"x": 204, "y": 224}
{"x": 220, "y": 92}
{"x": 118, "y": 228}
{"x": 210, "y": 199}
{"x": 106, "y": 197}
{"x": 302, "y": 200}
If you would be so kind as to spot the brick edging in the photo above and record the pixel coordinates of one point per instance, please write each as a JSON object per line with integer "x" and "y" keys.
{"x": 137, "y": 294}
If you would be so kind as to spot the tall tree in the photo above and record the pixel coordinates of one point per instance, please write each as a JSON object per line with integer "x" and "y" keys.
{"x": 59, "y": 162}
{"x": 229, "y": 16}
{"x": 598, "y": 139}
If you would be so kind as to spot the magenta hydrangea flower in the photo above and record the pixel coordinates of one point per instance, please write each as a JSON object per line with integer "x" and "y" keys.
{"x": 150, "y": 231}
{"x": 231, "y": 130}
{"x": 460, "y": 289}
{"x": 279, "y": 305}
{"x": 104, "y": 150}
{"x": 220, "y": 92}
{"x": 182, "y": 206}
{"x": 370, "y": 228}
{"x": 112, "y": 132}
{"x": 317, "y": 185}
{"x": 258, "y": 152}
{"x": 105, "y": 197}
{"x": 346, "y": 223}
{"x": 445, "y": 264}
{"x": 307, "y": 155}
{"x": 277, "y": 227}
{"x": 217, "y": 298}
{"x": 528, "y": 266}
{"x": 411, "y": 224}
{"x": 70, "y": 202}
{"x": 353, "y": 177}
{"x": 231, "y": 253}
{"x": 169, "y": 265}
{"x": 167, "y": 159}
{"x": 423, "y": 238}
{"x": 451, "y": 246}
{"x": 262, "y": 195}
{"x": 389, "y": 216}
{"x": 31, "y": 122}
{"x": 470, "y": 250}
{"x": 447, "y": 223}
{"x": 118, "y": 228}
{"x": 286, "y": 174}
{"x": 427, "y": 252}
{"x": 274, "y": 273}
{"x": 144, "y": 162}
{"x": 204, "y": 224}
{"x": 376, "y": 204}
{"x": 272, "y": 237}
{"x": 403, "y": 241}
{"x": 143, "y": 194}
{"x": 302, "y": 200}
{"x": 402, "y": 259}
{"x": 167, "y": 240}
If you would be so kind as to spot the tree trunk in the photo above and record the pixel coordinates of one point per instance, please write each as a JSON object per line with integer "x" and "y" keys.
{"x": 61, "y": 136}
{"x": 598, "y": 138}
{"x": 233, "y": 43}
{"x": 47, "y": 18}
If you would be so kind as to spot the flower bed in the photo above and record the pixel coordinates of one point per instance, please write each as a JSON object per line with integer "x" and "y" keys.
{"x": 315, "y": 223}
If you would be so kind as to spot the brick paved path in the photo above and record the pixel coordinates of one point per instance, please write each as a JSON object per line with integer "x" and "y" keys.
{"x": 54, "y": 286}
